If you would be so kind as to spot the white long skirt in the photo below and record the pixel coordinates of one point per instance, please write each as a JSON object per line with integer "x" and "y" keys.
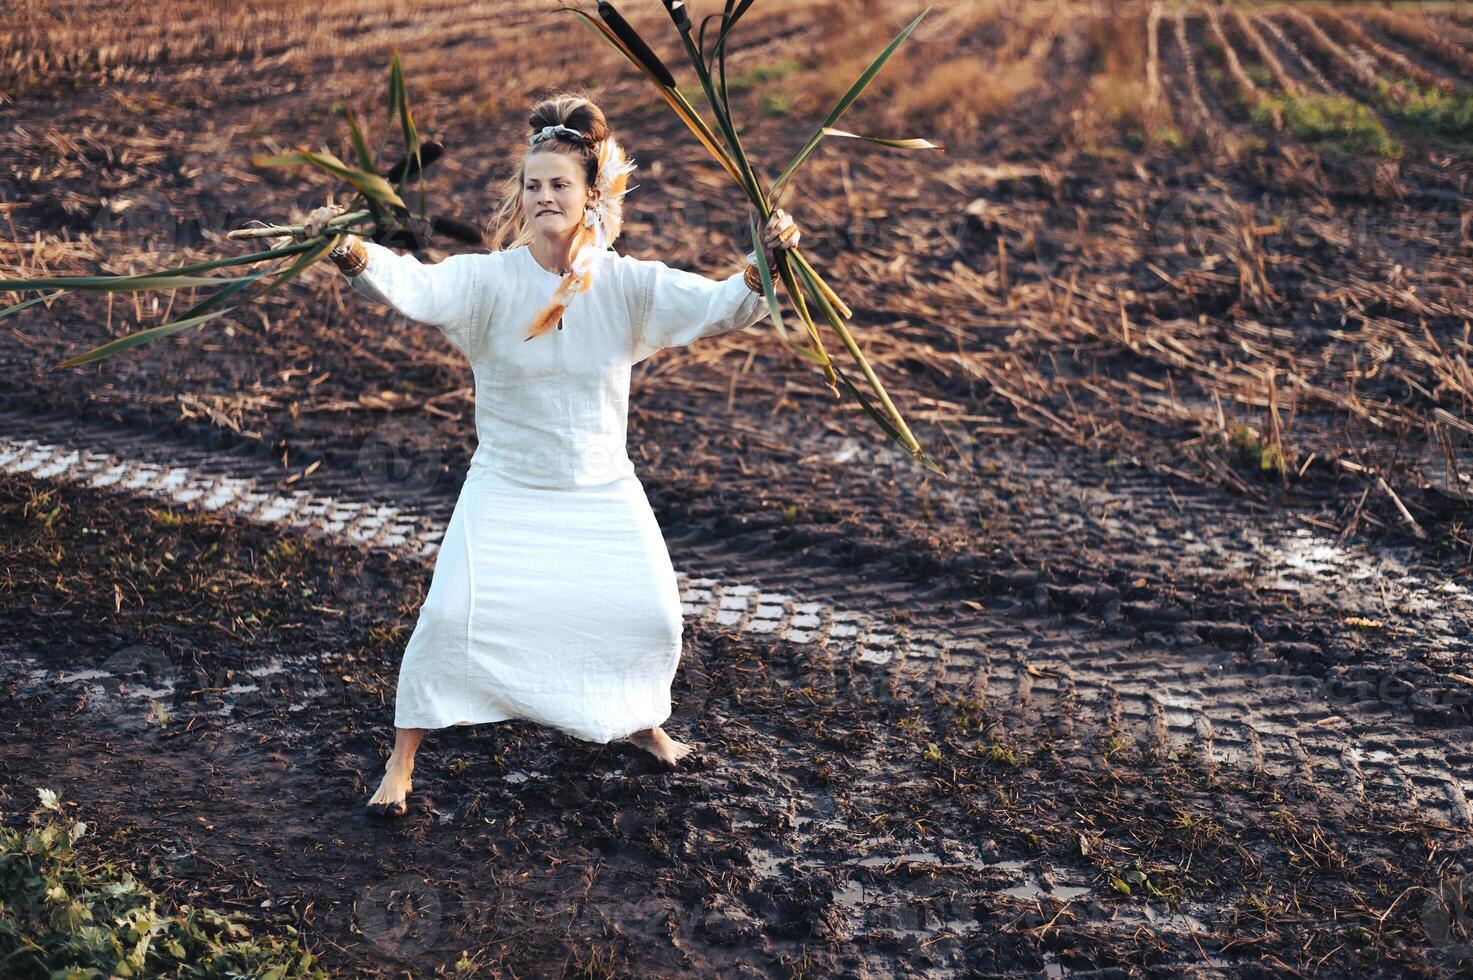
{"x": 559, "y": 606}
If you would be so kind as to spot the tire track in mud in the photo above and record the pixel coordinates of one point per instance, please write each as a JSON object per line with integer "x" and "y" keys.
{"x": 1045, "y": 655}
{"x": 1070, "y": 661}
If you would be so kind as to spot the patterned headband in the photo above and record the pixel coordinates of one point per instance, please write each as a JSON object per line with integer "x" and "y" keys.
{"x": 567, "y": 132}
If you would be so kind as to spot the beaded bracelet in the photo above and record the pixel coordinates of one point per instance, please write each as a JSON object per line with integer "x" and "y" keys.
{"x": 752, "y": 276}
{"x": 351, "y": 258}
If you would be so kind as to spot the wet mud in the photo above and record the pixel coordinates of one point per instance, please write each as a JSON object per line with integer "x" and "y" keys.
{"x": 1111, "y": 700}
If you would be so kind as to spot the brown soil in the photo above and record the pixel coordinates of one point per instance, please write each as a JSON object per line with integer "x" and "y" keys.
{"x": 1024, "y": 803}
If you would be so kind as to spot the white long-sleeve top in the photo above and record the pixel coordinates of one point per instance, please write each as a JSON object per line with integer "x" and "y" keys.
{"x": 553, "y": 411}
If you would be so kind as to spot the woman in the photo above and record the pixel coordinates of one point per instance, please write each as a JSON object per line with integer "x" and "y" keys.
{"x": 553, "y": 598}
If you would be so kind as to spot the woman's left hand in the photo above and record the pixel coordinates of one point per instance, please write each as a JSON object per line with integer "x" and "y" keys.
{"x": 780, "y": 232}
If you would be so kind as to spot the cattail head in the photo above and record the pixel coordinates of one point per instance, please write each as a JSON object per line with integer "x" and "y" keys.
{"x": 630, "y": 38}
{"x": 455, "y": 228}
{"x": 405, "y": 171}
{"x": 676, "y": 9}
{"x": 399, "y": 237}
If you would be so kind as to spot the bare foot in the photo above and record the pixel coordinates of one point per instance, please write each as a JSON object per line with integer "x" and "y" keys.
{"x": 661, "y": 746}
{"x": 389, "y": 800}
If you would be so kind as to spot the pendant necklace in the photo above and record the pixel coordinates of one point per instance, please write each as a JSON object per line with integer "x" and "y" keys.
{"x": 560, "y": 316}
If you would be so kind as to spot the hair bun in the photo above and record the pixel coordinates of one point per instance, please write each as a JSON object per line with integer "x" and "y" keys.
{"x": 573, "y": 111}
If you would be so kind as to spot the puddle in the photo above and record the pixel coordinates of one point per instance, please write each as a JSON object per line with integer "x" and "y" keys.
{"x": 1034, "y": 890}
{"x": 1350, "y": 579}
{"x": 79, "y": 675}
{"x": 915, "y": 857}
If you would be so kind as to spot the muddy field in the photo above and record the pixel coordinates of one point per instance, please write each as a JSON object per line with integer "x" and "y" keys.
{"x": 1171, "y": 677}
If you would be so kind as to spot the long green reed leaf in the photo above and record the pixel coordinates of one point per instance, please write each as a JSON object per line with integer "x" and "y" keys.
{"x": 303, "y": 262}
{"x": 196, "y": 315}
{"x": 360, "y": 145}
{"x": 189, "y": 317}
{"x": 29, "y": 302}
{"x": 823, "y": 287}
{"x": 253, "y": 258}
{"x": 899, "y": 438}
{"x": 112, "y": 284}
{"x": 790, "y": 282}
{"x": 367, "y": 162}
{"x": 721, "y": 110}
{"x": 718, "y": 54}
{"x": 183, "y": 270}
{"x": 701, "y": 36}
{"x": 406, "y": 124}
{"x": 729, "y": 22}
{"x": 768, "y": 289}
{"x": 906, "y": 437}
{"x": 370, "y": 185}
{"x": 141, "y": 337}
{"x": 729, "y": 17}
{"x": 902, "y": 144}
{"x": 847, "y": 99}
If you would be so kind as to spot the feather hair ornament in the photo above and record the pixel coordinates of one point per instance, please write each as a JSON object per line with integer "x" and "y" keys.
{"x": 602, "y": 222}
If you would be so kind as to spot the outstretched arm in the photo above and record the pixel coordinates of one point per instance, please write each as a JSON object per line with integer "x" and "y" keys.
{"x": 445, "y": 294}
{"x": 442, "y": 294}
{"x": 675, "y": 307}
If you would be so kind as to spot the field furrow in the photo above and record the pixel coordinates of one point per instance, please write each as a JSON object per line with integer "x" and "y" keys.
{"x": 1353, "y": 68}
{"x": 1421, "y": 43}
{"x": 1305, "y": 72}
{"x": 1390, "y": 59}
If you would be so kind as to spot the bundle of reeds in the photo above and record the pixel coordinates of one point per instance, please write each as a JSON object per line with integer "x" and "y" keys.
{"x": 792, "y": 267}
{"x": 377, "y": 207}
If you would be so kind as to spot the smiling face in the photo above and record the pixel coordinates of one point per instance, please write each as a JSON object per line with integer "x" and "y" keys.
{"x": 554, "y": 193}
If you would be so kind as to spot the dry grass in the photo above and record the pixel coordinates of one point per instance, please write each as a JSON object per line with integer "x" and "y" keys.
{"x": 969, "y": 90}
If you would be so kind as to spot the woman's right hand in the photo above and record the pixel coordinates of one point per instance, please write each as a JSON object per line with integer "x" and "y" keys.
{"x": 317, "y": 220}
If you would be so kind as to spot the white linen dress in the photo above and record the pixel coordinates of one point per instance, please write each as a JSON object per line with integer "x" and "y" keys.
{"x": 553, "y": 598}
